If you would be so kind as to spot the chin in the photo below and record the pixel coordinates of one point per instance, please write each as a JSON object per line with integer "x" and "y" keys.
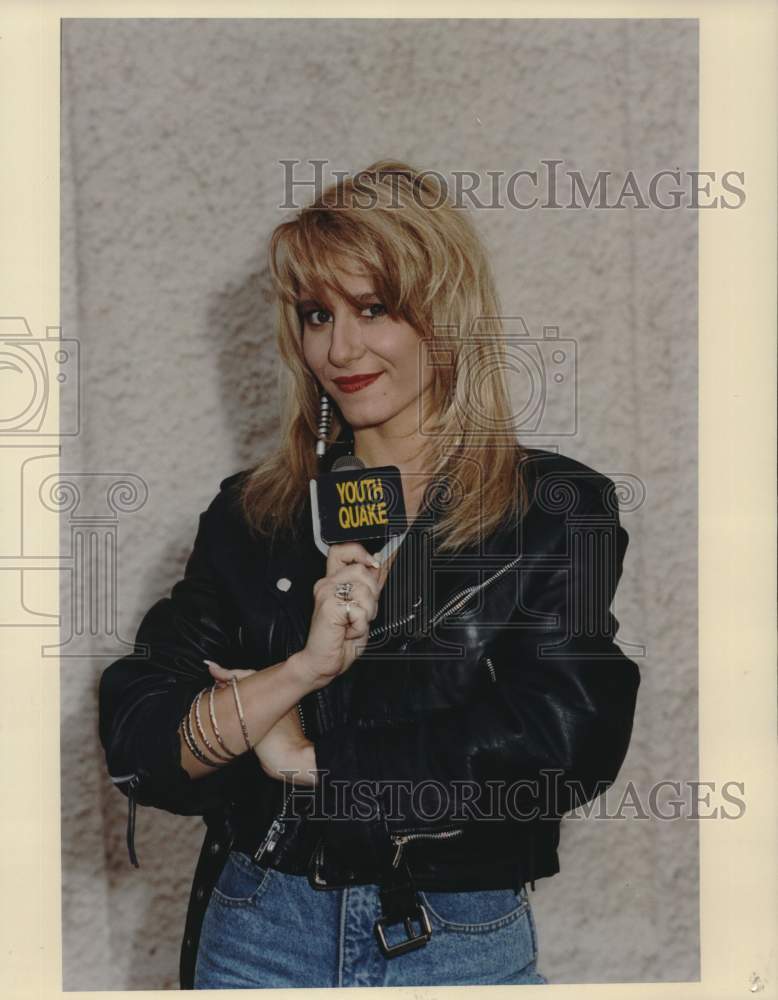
{"x": 366, "y": 416}
{"x": 361, "y": 423}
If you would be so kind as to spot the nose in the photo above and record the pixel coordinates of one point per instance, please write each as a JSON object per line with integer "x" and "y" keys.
{"x": 346, "y": 344}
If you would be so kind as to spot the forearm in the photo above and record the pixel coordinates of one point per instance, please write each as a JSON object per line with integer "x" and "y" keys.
{"x": 265, "y": 697}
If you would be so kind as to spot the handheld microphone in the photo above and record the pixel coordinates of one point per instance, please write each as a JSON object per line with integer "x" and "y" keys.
{"x": 353, "y": 503}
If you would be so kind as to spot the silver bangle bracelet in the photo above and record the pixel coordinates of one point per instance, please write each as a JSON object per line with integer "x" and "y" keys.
{"x": 208, "y": 745}
{"x": 239, "y": 708}
{"x": 186, "y": 731}
{"x": 217, "y": 734}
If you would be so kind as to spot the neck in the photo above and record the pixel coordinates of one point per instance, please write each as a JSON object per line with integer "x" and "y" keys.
{"x": 376, "y": 448}
{"x": 398, "y": 441}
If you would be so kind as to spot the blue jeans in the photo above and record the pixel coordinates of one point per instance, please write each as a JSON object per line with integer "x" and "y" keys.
{"x": 264, "y": 928}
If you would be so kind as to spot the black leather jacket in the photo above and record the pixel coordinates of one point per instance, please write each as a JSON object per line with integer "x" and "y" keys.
{"x": 492, "y": 698}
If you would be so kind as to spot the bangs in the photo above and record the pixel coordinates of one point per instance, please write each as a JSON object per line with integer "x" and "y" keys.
{"x": 308, "y": 252}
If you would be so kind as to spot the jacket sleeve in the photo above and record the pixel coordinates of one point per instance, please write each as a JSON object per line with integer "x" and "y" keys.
{"x": 144, "y": 696}
{"x": 555, "y": 721}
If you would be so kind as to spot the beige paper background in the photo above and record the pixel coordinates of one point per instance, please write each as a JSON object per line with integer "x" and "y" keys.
{"x": 737, "y": 458}
{"x": 168, "y": 183}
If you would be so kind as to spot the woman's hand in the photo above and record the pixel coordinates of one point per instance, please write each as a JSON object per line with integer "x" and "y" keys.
{"x": 337, "y": 637}
{"x": 284, "y": 747}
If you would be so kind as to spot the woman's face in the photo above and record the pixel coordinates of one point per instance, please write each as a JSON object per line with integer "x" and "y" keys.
{"x": 340, "y": 342}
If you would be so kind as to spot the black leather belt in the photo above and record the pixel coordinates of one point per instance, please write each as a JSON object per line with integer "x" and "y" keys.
{"x": 400, "y": 904}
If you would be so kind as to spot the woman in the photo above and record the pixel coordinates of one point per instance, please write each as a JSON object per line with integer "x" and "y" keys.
{"x": 382, "y": 736}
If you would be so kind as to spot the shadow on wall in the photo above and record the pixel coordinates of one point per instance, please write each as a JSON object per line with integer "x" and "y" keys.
{"x": 152, "y": 896}
{"x": 241, "y": 328}
{"x": 242, "y": 322}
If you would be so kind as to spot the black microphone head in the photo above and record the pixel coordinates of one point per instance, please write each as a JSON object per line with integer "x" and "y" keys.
{"x": 359, "y": 504}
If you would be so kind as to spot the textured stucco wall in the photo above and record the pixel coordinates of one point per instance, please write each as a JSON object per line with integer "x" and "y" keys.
{"x": 171, "y": 136}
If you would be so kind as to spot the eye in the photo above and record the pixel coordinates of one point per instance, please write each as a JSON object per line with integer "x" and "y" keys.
{"x": 313, "y": 317}
{"x": 318, "y": 316}
{"x": 374, "y": 306}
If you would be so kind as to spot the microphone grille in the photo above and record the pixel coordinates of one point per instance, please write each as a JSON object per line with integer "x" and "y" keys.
{"x": 347, "y": 462}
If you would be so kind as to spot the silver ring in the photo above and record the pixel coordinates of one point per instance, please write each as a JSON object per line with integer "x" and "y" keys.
{"x": 344, "y": 590}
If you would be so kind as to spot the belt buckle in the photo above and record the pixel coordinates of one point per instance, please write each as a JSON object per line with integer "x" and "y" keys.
{"x": 413, "y": 941}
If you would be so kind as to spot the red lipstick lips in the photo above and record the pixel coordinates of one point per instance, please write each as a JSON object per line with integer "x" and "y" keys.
{"x": 353, "y": 383}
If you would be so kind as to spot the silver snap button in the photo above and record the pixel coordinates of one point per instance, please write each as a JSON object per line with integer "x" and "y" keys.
{"x": 283, "y": 583}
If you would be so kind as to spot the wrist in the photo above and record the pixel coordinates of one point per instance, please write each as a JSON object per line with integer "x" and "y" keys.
{"x": 304, "y": 672}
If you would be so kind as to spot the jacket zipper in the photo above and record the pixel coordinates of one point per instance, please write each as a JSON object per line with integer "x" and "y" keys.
{"x": 274, "y": 832}
{"x": 401, "y": 839}
{"x": 379, "y": 629}
{"x": 398, "y": 839}
{"x": 452, "y": 605}
{"x": 490, "y": 666}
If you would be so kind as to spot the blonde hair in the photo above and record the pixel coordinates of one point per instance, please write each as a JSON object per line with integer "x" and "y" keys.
{"x": 430, "y": 269}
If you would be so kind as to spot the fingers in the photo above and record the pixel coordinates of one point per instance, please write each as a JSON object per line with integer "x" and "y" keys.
{"x": 356, "y": 619}
{"x": 362, "y": 592}
{"x": 335, "y": 631}
{"x": 362, "y": 611}
{"x": 364, "y": 598}
{"x": 222, "y": 675}
{"x": 350, "y": 562}
{"x": 349, "y": 554}
{"x": 360, "y": 577}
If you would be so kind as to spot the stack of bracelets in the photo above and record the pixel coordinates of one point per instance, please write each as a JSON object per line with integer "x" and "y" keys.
{"x": 188, "y": 734}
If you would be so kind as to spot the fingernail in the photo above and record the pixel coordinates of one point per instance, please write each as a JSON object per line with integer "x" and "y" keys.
{"x": 211, "y": 663}
{"x": 377, "y": 564}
